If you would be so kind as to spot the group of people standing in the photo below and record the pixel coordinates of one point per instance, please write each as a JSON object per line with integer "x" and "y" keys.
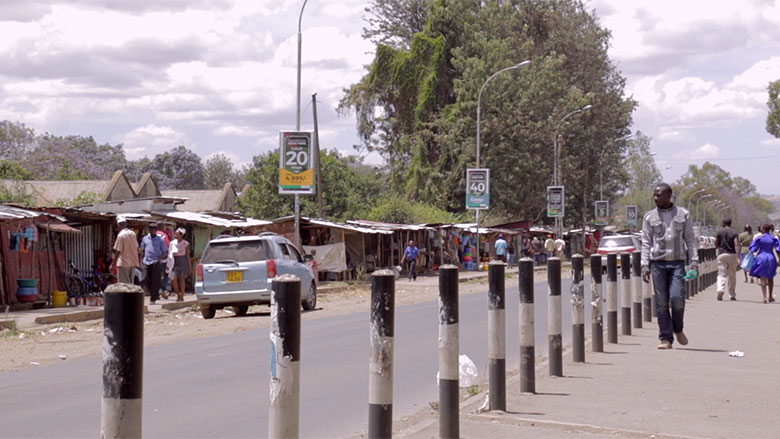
{"x": 756, "y": 254}
{"x": 160, "y": 257}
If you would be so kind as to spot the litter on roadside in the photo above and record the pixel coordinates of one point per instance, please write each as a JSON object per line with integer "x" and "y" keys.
{"x": 63, "y": 357}
{"x": 738, "y": 354}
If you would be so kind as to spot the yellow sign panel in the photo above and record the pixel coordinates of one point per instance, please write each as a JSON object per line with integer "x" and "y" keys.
{"x": 305, "y": 178}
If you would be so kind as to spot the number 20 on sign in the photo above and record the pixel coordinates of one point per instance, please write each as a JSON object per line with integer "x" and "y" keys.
{"x": 296, "y": 164}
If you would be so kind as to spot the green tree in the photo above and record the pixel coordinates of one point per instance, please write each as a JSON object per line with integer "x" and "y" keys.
{"x": 638, "y": 175}
{"x": 428, "y": 93}
{"x": 81, "y": 199}
{"x": 14, "y": 171}
{"x": 773, "y": 118}
{"x": 394, "y": 22}
{"x": 16, "y": 140}
{"x": 219, "y": 170}
{"x": 179, "y": 168}
{"x": 395, "y": 209}
{"x": 745, "y": 204}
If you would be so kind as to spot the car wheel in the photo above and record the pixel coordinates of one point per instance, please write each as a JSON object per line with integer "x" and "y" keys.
{"x": 208, "y": 311}
{"x": 310, "y": 302}
{"x": 240, "y": 310}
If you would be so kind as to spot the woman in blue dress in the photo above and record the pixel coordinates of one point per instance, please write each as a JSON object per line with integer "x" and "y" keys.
{"x": 765, "y": 266}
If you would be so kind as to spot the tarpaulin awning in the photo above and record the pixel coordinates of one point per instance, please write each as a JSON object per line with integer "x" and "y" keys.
{"x": 60, "y": 228}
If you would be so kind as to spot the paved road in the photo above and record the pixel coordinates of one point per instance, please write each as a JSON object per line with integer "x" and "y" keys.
{"x": 218, "y": 386}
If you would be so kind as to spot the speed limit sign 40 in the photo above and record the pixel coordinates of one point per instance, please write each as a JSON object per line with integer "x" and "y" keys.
{"x": 296, "y": 164}
{"x": 477, "y": 188}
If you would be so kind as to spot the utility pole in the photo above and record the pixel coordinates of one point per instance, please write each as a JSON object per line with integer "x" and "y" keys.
{"x": 317, "y": 161}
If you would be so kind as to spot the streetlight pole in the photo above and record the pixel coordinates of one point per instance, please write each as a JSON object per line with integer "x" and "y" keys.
{"x": 707, "y": 206}
{"x": 692, "y": 195}
{"x": 601, "y": 181}
{"x": 556, "y": 153}
{"x": 479, "y": 132}
{"x": 697, "y": 204}
{"x": 298, "y": 127}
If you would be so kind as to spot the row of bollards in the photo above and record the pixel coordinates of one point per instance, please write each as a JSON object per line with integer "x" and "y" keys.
{"x": 121, "y": 407}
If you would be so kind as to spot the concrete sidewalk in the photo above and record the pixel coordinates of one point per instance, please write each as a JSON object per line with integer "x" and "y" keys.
{"x": 633, "y": 390}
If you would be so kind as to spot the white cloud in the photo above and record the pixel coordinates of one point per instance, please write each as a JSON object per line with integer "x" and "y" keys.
{"x": 150, "y": 140}
{"x": 704, "y": 152}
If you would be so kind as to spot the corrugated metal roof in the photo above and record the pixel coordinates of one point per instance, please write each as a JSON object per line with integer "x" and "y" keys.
{"x": 47, "y": 192}
{"x": 349, "y": 227}
{"x": 13, "y": 213}
{"x": 211, "y": 220}
{"x": 390, "y": 226}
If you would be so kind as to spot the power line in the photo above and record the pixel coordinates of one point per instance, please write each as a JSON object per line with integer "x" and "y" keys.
{"x": 664, "y": 159}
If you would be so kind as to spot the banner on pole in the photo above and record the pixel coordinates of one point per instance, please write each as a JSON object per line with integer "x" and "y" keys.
{"x": 632, "y": 215}
{"x": 296, "y": 162}
{"x": 602, "y": 213}
{"x": 477, "y": 188}
{"x": 555, "y": 201}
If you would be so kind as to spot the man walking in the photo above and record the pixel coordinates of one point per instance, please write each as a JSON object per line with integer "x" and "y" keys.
{"x": 411, "y": 252}
{"x": 727, "y": 243}
{"x": 667, "y": 235}
{"x": 125, "y": 253}
{"x": 155, "y": 252}
{"x": 536, "y": 250}
{"x": 745, "y": 239}
{"x": 500, "y": 246}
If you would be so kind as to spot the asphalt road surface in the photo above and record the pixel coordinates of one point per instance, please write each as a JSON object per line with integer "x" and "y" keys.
{"x": 219, "y": 386}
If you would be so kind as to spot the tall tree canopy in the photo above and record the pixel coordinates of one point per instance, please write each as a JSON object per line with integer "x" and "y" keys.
{"x": 417, "y": 104}
{"x": 745, "y": 205}
{"x": 773, "y": 118}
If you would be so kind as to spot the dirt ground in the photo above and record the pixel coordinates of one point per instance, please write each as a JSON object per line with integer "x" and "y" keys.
{"x": 60, "y": 342}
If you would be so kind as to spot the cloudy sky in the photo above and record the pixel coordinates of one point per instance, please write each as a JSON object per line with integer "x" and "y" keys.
{"x": 220, "y": 75}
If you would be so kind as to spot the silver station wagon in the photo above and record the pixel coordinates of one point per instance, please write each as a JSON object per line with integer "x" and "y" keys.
{"x": 237, "y": 272}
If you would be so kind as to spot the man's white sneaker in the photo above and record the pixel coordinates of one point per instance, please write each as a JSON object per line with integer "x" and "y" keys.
{"x": 665, "y": 344}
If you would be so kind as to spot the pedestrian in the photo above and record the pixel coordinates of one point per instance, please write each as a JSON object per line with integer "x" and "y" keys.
{"x": 727, "y": 243}
{"x": 155, "y": 253}
{"x": 560, "y": 245}
{"x": 500, "y": 246}
{"x": 125, "y": 253}
{"x": 667, "y": 234}
{"x": 180, "y": 248}
{"x": 745, "y": 239}
{"x": 411, "y": 252}
{"x": 765, "y": 266}
{"x": 549, "y": 247}
{"x": 536, "y": 250}
{"x": 510, "y": 252}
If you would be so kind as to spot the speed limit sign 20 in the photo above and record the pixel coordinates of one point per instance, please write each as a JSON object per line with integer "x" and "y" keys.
{"x": 477, "y": 188}
{"x": 296, "y": 163}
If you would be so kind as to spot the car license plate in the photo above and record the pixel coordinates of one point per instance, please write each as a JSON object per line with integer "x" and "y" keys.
{"x": 235, "y": 277}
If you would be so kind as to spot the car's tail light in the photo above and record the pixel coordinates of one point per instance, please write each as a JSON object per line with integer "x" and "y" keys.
{"x": 199, "y": 273}
{"x": 270, "y": 268}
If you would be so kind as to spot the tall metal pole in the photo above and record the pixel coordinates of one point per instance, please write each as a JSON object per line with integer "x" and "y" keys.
{"x": 479, "y": 107}
{"x": 317, "y": 159}
{"x": 556, "y": 171}
{"x": 697, "y": 204}
{"x": 298, "y": 127}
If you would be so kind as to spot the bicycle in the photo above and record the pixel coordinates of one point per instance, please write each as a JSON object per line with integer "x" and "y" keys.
{"x": 81, "y": 286}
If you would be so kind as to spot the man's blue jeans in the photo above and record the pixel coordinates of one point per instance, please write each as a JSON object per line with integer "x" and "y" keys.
{"x": 669, "y": 292}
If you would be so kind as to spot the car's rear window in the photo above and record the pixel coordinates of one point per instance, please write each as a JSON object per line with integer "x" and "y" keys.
{"x": 239, "y": 251}
{"x": 617, "y": 241}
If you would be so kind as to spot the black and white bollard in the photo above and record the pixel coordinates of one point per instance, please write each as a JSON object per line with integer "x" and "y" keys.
{"x": 578, "y": 308}
{"x": 284, "y": 410}
{"x": 496, "y": 336}
{"x": 380, "y": 365}
{"x": 123, "y": 362}
{"x": 636, "y": 288}
{"x": 449, "y": 345}
{"x": 527, "y": 343}
{"x": 554, "y": 319}
{"x": 625, "y": 292}
{"x": 647, "y": 299}
{"x": 596, "y": 304}
{"x": 612, "y": 295}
